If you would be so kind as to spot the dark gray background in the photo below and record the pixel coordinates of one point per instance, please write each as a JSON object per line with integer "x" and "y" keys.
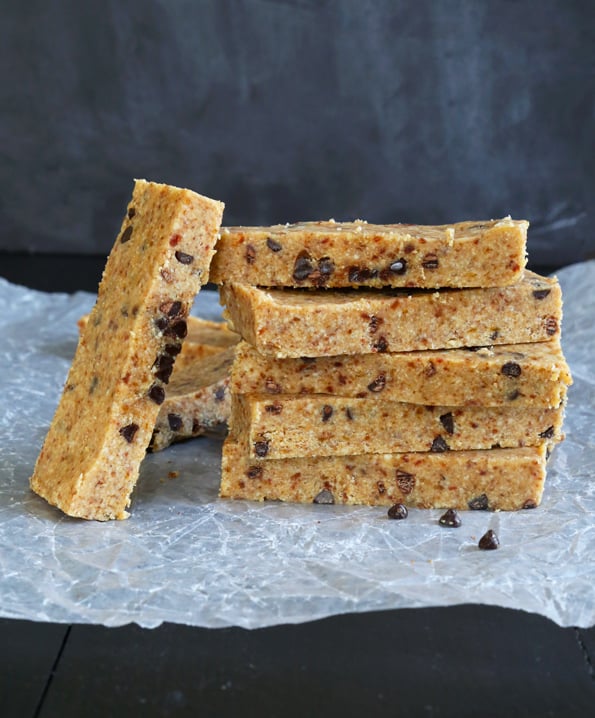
{"x": 299, "y": 109}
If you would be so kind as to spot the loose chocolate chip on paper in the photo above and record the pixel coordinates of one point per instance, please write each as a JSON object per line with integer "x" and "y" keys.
{"x": 261, "y": 448}
{"x": 511, "y": 368}
{"x": 273, "y": 245}
{"x": 327, "y": 412}
{"x": 439, "y": 445}
{"x": 399, "y": 266}
{"x": 447, "y": 421}
{"x": 451, "y": 519}
{"x": 129, "y": 432}
{"x": 184, "y": 258}
{"x": 377, "y": 384}
{"x": 405, "y": 481}
{"x": 324, "y": 497}
{"x": 303, "y": 267}
{"x": 430, "y": 261}
{"x": 489, "y": 541}
{"x": 157, "y": 394}
{"x": 479, "y": 503}
{"x": 398, "y": 511}
{"x": 548, "y": 433}
{"x": 126, "y": 235}
{"x": 175, "y": 422}
{"x": 541, "y": 293}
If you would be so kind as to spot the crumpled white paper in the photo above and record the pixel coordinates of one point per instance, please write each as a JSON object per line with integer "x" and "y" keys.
{"x": 186, "y": 556}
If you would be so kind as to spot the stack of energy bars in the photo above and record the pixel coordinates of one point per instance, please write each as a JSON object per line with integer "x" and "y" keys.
{"x": 390, "y": 364}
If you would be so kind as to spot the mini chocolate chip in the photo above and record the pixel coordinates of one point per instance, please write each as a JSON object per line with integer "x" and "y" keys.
{"x": 254, "y": 472}
{"x": 405, "y": 481}
{"x": 381, "y": 345}
{"x": 513, "y": 395}
{"x": 273, "y": 245}
{"x": 489, "y": 541}
{"x": 451, "y": 519}
{"x": 326, "y": 266}
{"x": 173, "y": 349}
{"x": 530, "y": 504}
{"x": 349, "y": 413}
{"x": 184, "y": 258}
{"x": 373, "y": 323}
{"x": 303, "y": 266}
{"x": 479, "y": 503}
{"x": 551, "y": 326}
{"x": 430, "y": 261}
{"x": 157, "y": 393}
{"x": 361, "y": 274}
{"x": 439, "y": 445}
{"x": 129, "y": 432}
{"x": 548, "y": 433}
{"x": 381, "y": 487}
{"x": 511, "y": 368}
{"x": 161, "y": 323}
{"x": 126, "y": 235}
{"x": 131, "y": 212}
{"x": 541, "y": 293}
{"x": 172, "y": 308}
{"x": 494, "y": 335}
{"x": 167, "y": 276}
{"x": 327, "y": 412}
{"x": 175, "y": 422}
{"x": 447, "y": 421}
{"x": 219, "y": 393}
{"x": 399, "y": 266}
{"x": 261, "y": 448}
{"x": 163, "y": 373}
{"x": 548, "y": 453}
{"x": 398, "y": 511}
{"x": 178, "y": 329}
{"x": 430, "y": 369}
{"x": 271, "y": 386}
{"x": 274, "y": 409}
{"x": 324, "y": 497}
{"x": 378, "y": 384}
{"x": 196, "y": 427}
{"x": 250, "y": 254}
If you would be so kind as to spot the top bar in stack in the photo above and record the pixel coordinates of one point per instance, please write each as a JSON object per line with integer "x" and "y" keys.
{"x": 358, "y": 254}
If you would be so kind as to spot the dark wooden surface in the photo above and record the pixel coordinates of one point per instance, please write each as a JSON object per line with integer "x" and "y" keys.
{"x": 442, "y": 662}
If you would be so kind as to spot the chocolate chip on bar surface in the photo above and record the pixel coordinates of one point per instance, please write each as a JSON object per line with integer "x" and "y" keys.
{"x": 294, "y": 323}
{"x": 466, "y": 254}
{"x": 91, "y": 456}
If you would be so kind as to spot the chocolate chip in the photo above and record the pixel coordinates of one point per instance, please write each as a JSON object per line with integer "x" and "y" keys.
{"x": 494, "y": 335}
{"x": 430, "y": 261}
{"x": 164, "y": 365}
{"x": 451, "y": 519}
{"x": 219, "y": 393}
{"x": 126, "y": 235}
{"x": 324, "y": 497}
{"x": 178, "y": 329}
{"x": 489, "y": 541}
{"x": 167, "y": 276}
{"x": 405, "y": 481}
{"x": 196, "y": 427}
{"x": 548, "y": 433}
{"x": 173, "y": 349}
{"x": 551, "y": 326}
{"x": 157, "y": 394}
{"x": 129, "y": 432}
{"x": 378, "y": 384}
{"x": 184, "y": 258}
{"x": 479, "y": 503}
{"x": 530, "y": 504}
{"x": 254, "y": 472}
{"x": 161, "y": 323}
{"x": 273, "y": 245}
{"x": 513, "y": 395}
{"x": 349, "y": 413}
{"x": 447, "y": 421}
{"x": 399, "y": 266}
{"x": 250, "y": 254}
{"x": 261, "y": 448}
{"x": 361, "y": 274}
{"x": 541, "y": 293}
{"x": 131, "y": 212}
{"x": 398, "y": 511}
{"x": 175, "y": 422}
{"x": 303, "y": 266}
{"x": 439, "y": 445}
{"x": 373, "y": 323}
{"x": 93, "y": 385}
{"x": 381, "y": 345}
{"x": 511, "y": 368}
{"x": 271, "y": 386}
{"x": 274, "y": 409}
{"x": 327, "y": 412}
{"x": 172, "y": 308}
{"x": 326, "y": 266}
{"x": 381, "y": 487}
{"x": 430, "y": 369}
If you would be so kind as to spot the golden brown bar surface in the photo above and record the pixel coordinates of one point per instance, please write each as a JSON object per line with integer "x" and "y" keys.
{"x": 352, "y": 254}
{"x": 287, "y": 426}
{"x": 508, "y": 375}
{"x": 498, "y": 479}
{"x": 90, "y": 460}
{"x": 312, "y": 323}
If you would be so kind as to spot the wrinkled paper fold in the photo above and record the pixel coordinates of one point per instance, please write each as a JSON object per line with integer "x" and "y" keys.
{"x": 186, "y": 556}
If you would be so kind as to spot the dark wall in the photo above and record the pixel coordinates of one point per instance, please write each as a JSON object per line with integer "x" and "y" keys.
{"x": 424, "y": 111}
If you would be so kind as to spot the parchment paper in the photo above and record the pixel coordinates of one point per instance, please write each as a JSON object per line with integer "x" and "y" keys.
{"x": 188, "y": 557}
